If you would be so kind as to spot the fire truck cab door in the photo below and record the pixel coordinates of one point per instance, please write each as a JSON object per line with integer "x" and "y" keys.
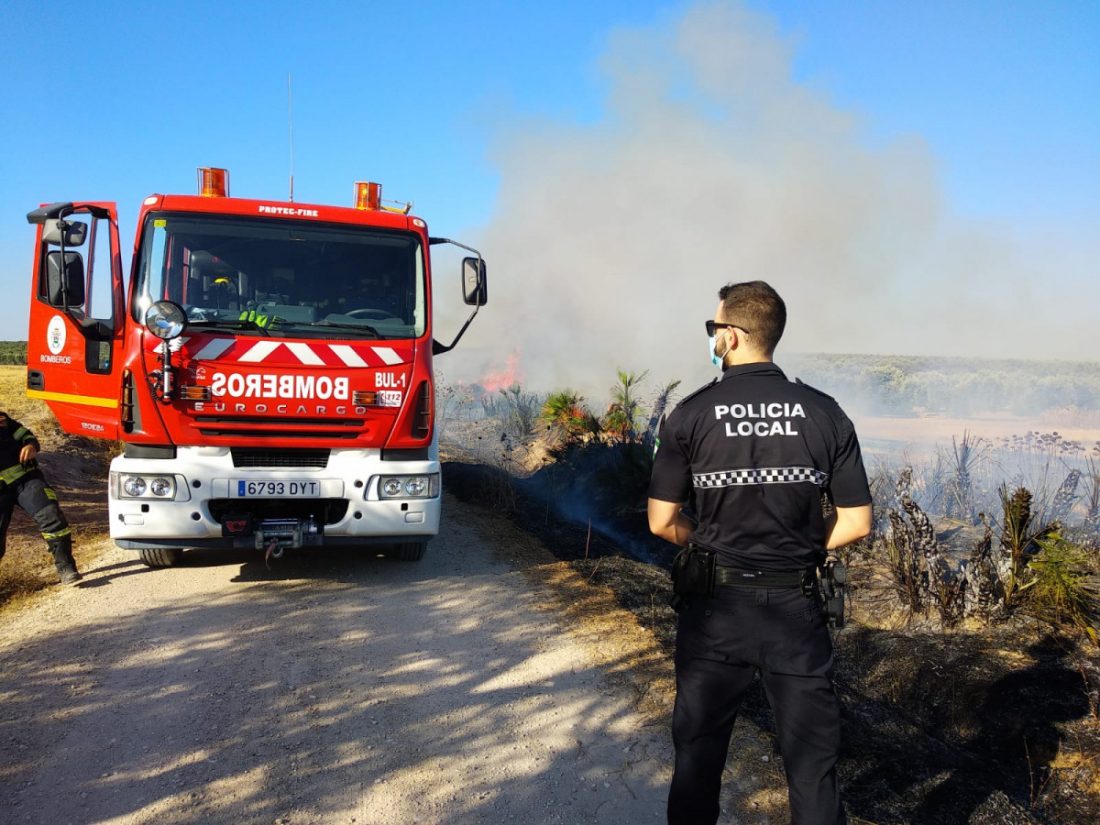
{"x": 77, "y": 320}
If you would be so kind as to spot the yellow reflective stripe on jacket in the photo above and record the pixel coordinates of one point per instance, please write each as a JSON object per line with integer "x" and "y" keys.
{"x": 258, "y": 319}
{"x": 9, "y": 475}
{"x": 59, "y": 534}
{"x": 22, "y": 433}
{"x": 50, "y": 494}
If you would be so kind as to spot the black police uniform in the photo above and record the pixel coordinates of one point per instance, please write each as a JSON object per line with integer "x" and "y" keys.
{"x": 23, "y": 484}
{"x": 756, "y": 453}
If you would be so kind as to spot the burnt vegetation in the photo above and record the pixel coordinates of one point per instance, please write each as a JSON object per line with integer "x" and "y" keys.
{"x": 970, "y": 667}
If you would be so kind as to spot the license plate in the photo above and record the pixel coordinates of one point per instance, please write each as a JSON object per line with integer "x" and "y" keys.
{"x": 276, "y": 489}
{"x": 389, "y": 398}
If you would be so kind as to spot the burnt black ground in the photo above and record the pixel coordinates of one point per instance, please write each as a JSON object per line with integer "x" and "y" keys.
{"x": 952, "y": 728}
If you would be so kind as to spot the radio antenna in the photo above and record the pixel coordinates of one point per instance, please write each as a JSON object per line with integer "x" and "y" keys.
{"x": 290, "y": 126}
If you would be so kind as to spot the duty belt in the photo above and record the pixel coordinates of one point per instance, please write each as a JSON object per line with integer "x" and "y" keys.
{"x": 738, "y": 577}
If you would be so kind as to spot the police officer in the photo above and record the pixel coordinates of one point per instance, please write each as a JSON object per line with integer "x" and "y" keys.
{"x": 22, "y": 483}
{"x": 754, "y": 454}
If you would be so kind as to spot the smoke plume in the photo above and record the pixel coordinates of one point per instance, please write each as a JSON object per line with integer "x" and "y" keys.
{"x": 711, "y": 164}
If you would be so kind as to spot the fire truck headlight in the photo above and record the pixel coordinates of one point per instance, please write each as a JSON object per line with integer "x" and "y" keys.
{"x": 133, "y": 486}
{"x": 424, "y": 486}
{"x": 162, "y": 488}
{"x": 165, "y": 320}
{"x": 148, "y": 486}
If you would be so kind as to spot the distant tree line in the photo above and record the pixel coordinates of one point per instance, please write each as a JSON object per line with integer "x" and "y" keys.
{"x": 906, "y": 385}
{"x": 13, "y": 352}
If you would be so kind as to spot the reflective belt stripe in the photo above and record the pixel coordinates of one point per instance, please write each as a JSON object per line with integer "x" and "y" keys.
{"x": 13, "y": 473}
{"x": 761, "y": 475}
{"x": 58, "y": 535}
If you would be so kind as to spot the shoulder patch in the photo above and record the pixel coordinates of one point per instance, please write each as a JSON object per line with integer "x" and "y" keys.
{"x": 802, "y": 383}
{"x": 702, "y": 389}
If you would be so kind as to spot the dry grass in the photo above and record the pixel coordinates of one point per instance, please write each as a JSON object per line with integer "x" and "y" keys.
{"x": 77, "y": 469}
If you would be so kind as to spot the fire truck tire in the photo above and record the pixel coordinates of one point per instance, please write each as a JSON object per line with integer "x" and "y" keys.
{"x": 411, "y": 550}
{"x": 160, "y": 556}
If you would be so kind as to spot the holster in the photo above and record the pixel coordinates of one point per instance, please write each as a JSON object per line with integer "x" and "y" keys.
{"x": 692, "y": 574}
{"x": 834, "y": 576}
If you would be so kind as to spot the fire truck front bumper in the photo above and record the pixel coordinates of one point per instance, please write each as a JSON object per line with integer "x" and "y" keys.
{"x": 200, "y": 499}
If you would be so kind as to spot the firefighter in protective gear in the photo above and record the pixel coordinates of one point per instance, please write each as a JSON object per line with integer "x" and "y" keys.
{"x": 22, "y": 483}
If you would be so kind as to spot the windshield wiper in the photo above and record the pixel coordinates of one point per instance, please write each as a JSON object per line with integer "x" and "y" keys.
{"x": 341, "y": 325}
{"x": 229, "y": 324}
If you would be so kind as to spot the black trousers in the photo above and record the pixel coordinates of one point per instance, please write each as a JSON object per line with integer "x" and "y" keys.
{"x": 721, "y": 643}
{"x": 39, "y": 501}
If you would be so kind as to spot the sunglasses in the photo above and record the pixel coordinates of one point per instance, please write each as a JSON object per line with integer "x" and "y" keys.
{"x": 713, "y": 326}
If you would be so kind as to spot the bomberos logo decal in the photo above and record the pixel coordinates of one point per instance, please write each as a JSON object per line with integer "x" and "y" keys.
{"x": 55, "y": 342}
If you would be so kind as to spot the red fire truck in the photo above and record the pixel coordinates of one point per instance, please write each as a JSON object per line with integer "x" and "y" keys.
{"x": 268, "y": 367}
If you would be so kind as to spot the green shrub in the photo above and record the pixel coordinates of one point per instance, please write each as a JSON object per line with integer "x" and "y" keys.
{"x": 566, "y": 410}
{"x": 1064, "y": 590}
{"x": 13, "y": 352}
{"x": 625, "y": 419}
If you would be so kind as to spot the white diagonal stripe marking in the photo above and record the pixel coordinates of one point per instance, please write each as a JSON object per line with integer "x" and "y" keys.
{"x": 260, "y": 351}
{"x": 347, "y": 355}
{"x": 213, "y": 349}
{"x": 387, "y": 355}
{"x": 305, "y": 354}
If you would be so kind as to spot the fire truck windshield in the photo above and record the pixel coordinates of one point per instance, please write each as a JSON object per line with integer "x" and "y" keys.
{"x": 290, "y": 278}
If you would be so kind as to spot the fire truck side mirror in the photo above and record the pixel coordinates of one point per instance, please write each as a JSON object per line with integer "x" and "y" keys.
{"x": 475, "y": 286}
{"x": 72, "y": 232}
{"x": 64, "y": 283}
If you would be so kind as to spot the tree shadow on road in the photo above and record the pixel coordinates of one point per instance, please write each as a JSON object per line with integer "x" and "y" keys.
{"x": 346, "y": 684}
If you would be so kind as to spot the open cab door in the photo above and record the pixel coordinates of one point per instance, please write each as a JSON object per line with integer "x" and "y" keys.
{"x": 77, "y": 321}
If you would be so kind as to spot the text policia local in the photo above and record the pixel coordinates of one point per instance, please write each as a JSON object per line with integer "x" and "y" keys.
{"x": 759, "y": 419}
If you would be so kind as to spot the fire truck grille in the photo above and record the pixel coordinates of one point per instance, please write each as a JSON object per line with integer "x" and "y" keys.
{"x": 325, "y": 510}
{"x": 244, "y": 457}
{"x": 257, "y": 427}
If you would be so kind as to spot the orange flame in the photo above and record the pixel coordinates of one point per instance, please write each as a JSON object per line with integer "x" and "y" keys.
{"x": 504, "y": 378}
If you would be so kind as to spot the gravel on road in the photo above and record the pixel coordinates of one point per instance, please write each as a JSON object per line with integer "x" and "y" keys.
{"x": 336, "y": 687}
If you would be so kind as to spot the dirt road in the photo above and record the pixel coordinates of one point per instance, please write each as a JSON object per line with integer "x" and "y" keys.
{"x": 335, "y": 688}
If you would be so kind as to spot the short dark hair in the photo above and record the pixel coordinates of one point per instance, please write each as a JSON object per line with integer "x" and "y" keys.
{"x": 758, "y": 309}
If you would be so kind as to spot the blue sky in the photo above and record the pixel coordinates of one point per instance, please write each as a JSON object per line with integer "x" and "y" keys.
{"x": 114, "y": 101}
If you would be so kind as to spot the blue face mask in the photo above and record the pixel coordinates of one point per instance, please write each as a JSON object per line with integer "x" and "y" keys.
{"x": 712, "y": 342}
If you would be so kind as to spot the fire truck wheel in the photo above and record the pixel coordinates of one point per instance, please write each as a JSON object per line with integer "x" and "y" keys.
{"x": 161, "y": 556}
{"x": 411, "y": 550}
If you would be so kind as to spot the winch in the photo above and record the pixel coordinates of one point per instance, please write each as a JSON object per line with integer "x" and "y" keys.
{"x": 277, "y": 534}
